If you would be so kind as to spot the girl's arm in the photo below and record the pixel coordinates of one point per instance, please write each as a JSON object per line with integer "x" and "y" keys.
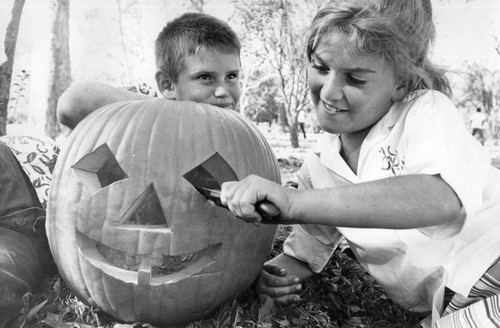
{"x": 402, "y": 202}
{"x": 82, "y": 98}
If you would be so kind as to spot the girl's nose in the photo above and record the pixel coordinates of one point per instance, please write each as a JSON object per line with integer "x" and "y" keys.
{"x": 221, "y": 92}
{"x": 332, "y": 89}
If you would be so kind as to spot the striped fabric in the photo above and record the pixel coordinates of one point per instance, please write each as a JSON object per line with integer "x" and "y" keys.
{"x": 481, "y": 309}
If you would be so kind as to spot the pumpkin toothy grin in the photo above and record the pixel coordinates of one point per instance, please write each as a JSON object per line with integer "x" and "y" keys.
{"x": 170, "y": 267}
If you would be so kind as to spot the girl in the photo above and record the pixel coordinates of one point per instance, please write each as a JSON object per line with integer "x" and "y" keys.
{"x": 397, "y": 174}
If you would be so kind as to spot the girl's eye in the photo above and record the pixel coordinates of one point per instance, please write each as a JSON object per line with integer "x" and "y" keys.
{"x": 320, "y": 68}
{"x": 354, "y": 80}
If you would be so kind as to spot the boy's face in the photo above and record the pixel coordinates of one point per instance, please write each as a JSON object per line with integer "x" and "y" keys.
{"x": 209, "y": 76}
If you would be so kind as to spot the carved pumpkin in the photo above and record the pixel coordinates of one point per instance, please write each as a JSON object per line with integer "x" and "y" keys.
{"x": 130, "y": 235}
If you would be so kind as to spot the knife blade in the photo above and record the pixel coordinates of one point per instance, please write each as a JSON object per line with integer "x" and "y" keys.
{"x": 208, "y": 177}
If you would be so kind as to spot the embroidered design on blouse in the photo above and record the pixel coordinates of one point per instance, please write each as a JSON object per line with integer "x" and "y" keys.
{"x": 391, "y": 160}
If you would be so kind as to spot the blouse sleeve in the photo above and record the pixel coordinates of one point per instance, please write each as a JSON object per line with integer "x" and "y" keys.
{"x": 313, "y": 244}
{"x": 436, "y": 141}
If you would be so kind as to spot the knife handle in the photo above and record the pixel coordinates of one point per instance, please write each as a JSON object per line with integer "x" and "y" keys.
{"x": 268, "y": 211}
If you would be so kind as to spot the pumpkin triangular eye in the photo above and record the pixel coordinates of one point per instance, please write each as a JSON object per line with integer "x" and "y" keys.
{"x": 98, "y": 169}
{"x": 145, "y": 210}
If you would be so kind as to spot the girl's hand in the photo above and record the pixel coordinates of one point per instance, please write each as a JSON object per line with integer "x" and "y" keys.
{"x": 241, "y": 197}
{"x": 275, "y": 282}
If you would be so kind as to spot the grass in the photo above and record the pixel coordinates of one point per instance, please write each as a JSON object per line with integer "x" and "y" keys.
{"x": 343, "y": 295}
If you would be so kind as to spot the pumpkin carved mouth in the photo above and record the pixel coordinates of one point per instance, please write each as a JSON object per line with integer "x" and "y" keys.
{"x": 143, "y": 268}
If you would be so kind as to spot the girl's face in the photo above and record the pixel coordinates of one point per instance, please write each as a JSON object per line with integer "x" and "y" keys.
{"x": 350, "y": 92}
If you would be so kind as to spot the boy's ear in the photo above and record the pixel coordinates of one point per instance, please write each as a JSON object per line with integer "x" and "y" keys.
{"x": 165, "y": 85}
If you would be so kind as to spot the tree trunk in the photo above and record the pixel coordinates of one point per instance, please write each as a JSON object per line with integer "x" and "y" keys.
{"x": 6, "y": 67}
{"x": 294, "y": 135}
{"x": 60, "y": 69}
{"x": 282, "y": 119}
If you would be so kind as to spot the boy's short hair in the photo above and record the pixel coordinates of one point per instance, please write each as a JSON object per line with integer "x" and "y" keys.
{"x": 186, "y": 35}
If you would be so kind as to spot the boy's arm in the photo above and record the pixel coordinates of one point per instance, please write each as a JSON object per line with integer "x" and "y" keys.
{"x": 82, "y": 98}
{"x": 281, "y": 279}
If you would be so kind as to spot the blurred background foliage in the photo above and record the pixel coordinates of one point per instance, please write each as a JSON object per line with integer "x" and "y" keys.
{"x": 112, "y": 41}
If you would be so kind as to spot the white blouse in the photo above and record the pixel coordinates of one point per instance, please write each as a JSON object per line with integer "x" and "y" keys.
{"x": 423, "y": 134}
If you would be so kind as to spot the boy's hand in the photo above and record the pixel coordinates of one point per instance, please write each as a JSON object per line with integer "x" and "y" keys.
{"x": 275, "y": 282}
{"x": 242, "y": 196}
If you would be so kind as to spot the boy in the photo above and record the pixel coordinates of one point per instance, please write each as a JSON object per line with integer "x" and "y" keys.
{"x": 197, "y": 59}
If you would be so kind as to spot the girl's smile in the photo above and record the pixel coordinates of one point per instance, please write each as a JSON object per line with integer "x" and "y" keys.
{"x": 332, "y": 109}
{"x": 351, "y": 92}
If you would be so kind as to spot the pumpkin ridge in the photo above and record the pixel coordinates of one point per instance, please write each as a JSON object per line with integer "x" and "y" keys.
{"x": 127, "y": 139}
{"x": 153, "y": 141}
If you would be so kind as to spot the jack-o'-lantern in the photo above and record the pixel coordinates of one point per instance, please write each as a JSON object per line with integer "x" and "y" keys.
{"x": 130, "y": 235}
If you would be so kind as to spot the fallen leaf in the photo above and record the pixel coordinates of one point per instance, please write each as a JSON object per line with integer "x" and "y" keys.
{"x": 55, "y": 321}
{"x": 283, "y": 323}
{"x": 268, "y": 307}
{"x": 34, "y": 310}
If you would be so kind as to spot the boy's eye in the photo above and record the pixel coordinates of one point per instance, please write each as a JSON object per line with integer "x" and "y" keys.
{"x": 205, "y": 77}
{"x": 232, "y": 76}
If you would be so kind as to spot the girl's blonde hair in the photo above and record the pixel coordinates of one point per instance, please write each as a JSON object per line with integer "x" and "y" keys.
{"x": 402, "y": 31}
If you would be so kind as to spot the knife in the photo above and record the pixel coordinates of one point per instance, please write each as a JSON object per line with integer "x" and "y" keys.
{"x": 208, "y": 177}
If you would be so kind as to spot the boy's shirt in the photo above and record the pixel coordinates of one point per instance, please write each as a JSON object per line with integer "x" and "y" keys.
{"x": 423, "y": 134}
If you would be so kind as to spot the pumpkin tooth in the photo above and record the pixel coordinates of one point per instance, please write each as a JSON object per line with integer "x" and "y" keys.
{"x": 130, "y": 261}
{"x": 144, "y": 273}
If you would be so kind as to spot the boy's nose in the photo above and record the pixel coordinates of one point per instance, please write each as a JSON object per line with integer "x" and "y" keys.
{"x": 221, "y": 92}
